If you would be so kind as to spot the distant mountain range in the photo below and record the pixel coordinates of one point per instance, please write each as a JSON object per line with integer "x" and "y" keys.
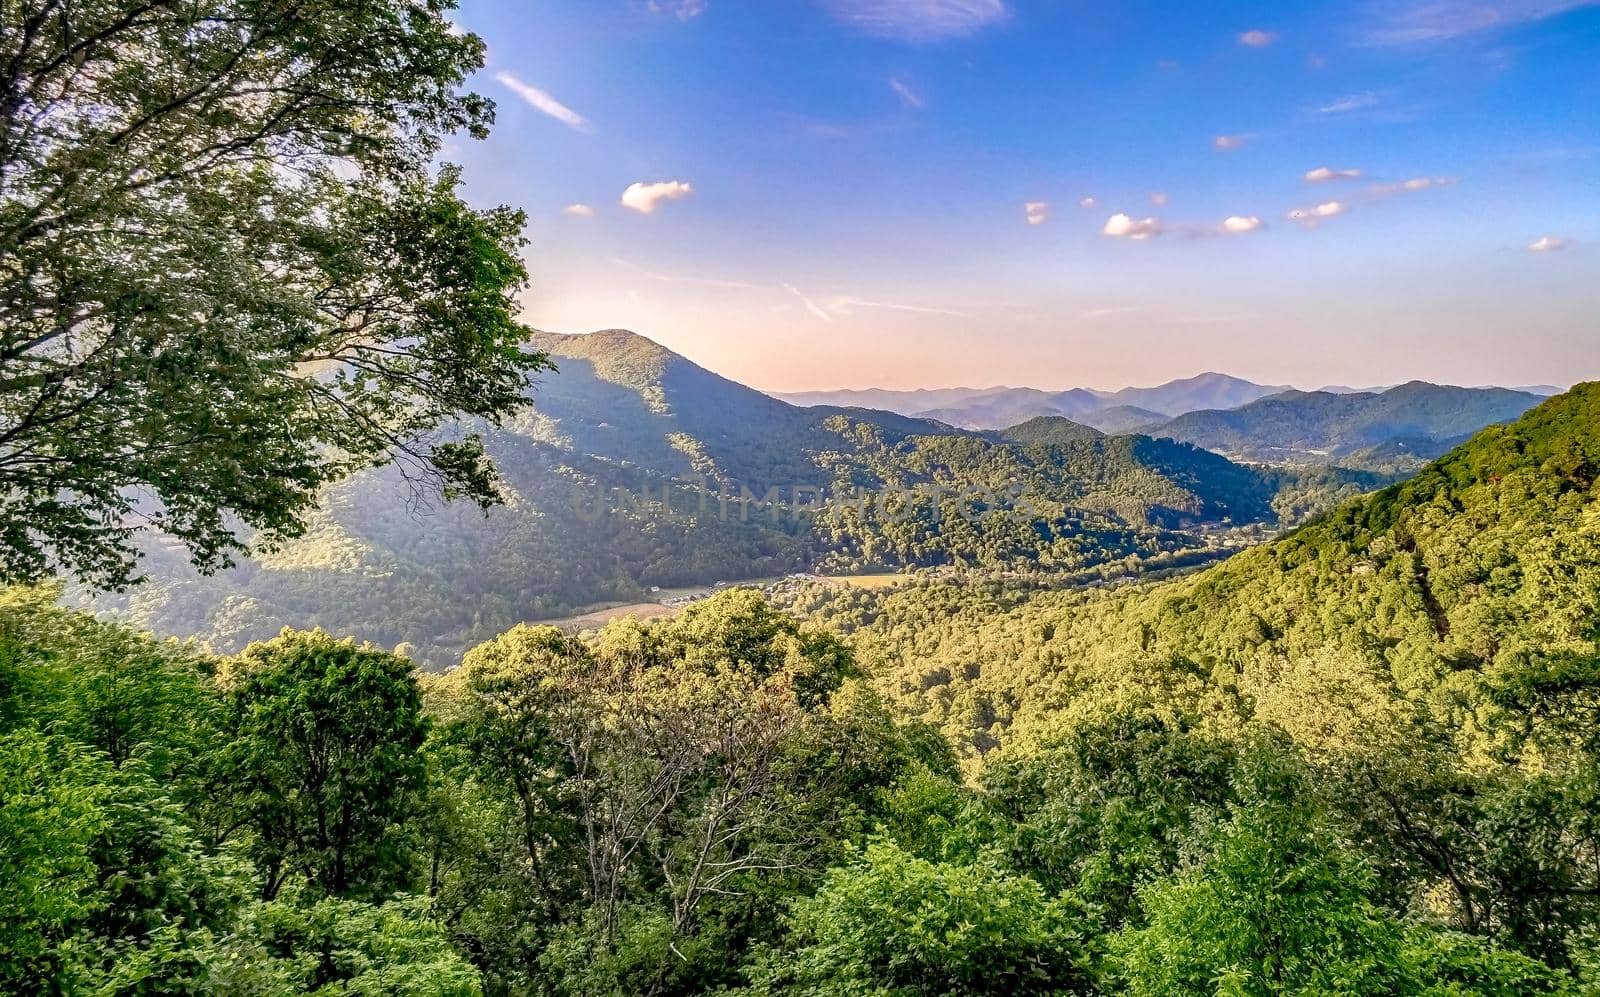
{"x": 1125, "y": 411}
{"x": 999, "y": 407}
{"x": 1401, "y": 427}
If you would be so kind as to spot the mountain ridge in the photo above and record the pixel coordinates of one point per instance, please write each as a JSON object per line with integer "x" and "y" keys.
{"x": 1418, "y": 417}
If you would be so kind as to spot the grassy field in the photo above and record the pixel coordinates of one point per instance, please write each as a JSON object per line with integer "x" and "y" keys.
{"x": 864, "y": 581}
{"x": 594, "y": 619}
{"x": 599, "y": 616}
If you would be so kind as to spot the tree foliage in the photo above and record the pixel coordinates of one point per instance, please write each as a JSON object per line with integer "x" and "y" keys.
{"x": 229, "y": 274}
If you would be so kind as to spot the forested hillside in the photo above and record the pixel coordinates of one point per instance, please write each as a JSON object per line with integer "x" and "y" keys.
{"x": 1484, "y": 567}
{"x": 635, "y": 468}
{"x": 1360, "y": 759}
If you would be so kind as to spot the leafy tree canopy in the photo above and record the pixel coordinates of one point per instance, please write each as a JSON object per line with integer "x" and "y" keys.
{"x": 229, "y": 273}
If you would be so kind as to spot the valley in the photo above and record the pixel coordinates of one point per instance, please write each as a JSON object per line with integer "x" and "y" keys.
{"x": 635, "y": 469}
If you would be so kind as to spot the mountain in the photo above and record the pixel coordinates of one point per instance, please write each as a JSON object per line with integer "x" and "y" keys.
{"x": 619, "y": 396}
{"x": 1191, "y": 394}
{"x": 1123, "y": 419}
{"x": 1014, "y": 405}
{"x": 635, "y": 468}
{"x": 1051, "y": 429}
{"x": 1408, "y": 424}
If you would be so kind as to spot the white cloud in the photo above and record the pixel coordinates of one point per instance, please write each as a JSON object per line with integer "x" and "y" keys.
{"x": 1036, "y": 212}
{"x": 644, "y": 197}
{"x": 544, "y": 103}
{"x": 1549, "y": 244}
{"x": 1309, "y": 217}
{"x": 578, "y": 211}
{"x": 1435, "y": 20}
{"x": 683, "y": 10}
{"x": 1158, "y": 198}
{"x": 1123, "y": 226}
{"x": 908, "y": 96}
{"x": 1323, "y": 174}
{"x": 1257, "y": 38}
{"x": 1228, "y": 143}
{"x": 918, "y": 20}
{"x": 1352, "y": 102}
{"x": 1240, "y": 224}
{"x": 1415, "y": 183}
{"x": 1086, "y": 202}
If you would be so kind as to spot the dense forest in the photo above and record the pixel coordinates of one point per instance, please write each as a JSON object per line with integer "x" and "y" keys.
{"x": 1358, "y": 759}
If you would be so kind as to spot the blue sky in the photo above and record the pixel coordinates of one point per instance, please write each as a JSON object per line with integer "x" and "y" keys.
{"x": 900, "y": 193}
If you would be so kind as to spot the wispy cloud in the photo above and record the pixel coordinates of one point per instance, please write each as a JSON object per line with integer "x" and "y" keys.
{"x": 1206, "y": 319}
{"x": 1326, "y": 174}
{"x": 908, "y": 96}
{"x": 1352, "y": 102}
{"x": 646, "y": 197}
{"x": 1382, "y": 190}
{"x": 1549, "y": 244}
{"x": 825, "y": 309}
{"x": 1438, "y": 20}
{"x": 1228, "y": 143}
{"x": 1095, "y": 314}
{"x": 683, "y": 10}
{"x": 918, "y": 20}
{"x": 810, "y": 306}
{"x": 578, "y": 211}
{"x": 544, "y": 103}
{"x": 844, "y": 306}
{"x": 1241, "y": 224}
{"x": 679, "y": 279}
{"x": 1122, "y": 226}
{"x": 1257, "y": 38}
{"x": 1036, "y": 212}
{"x": 1158, "y": 198}
{"x": 1087, "y": 202}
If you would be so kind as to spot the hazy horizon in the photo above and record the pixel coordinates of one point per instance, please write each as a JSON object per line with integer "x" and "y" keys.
{"x": 710, "y": 365}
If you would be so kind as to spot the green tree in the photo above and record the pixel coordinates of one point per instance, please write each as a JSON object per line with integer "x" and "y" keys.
{"x": 895, "y": 924}
{"x": 340, "y": 947}
{"x": 230, "y": 274}
{"x": 103, "y": 886}
{"x": 324, "y": 761}
{"x": 1276, "y": 906}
